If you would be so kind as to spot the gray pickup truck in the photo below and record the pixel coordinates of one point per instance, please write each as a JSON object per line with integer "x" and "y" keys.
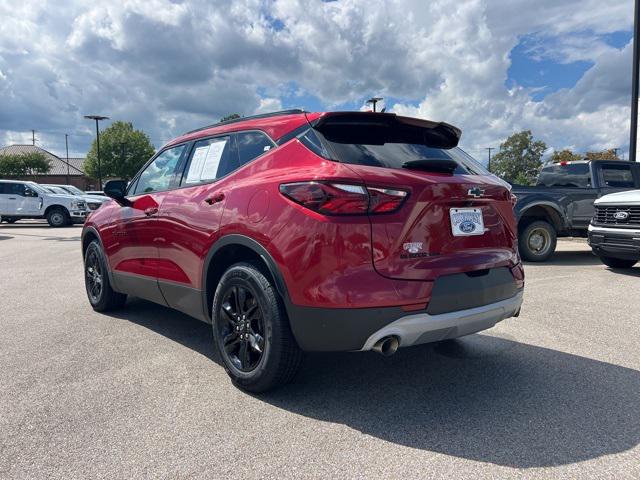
{"x": 561, "y": 203}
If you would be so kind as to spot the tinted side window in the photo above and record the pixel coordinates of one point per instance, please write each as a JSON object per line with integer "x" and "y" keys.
{"x": 577, "y": 175}
{"x": 4, "y": 188}
{"x": 252, "y": 145}
{"x": 208, "y": 158}
{"x": 15, "y": 189}
{"x": 618, "y": 176}
{"x": 160, "y": 172}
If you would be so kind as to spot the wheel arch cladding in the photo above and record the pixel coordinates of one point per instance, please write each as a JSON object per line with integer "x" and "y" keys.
{"x": 87, "y": 238}
{"x": 232, "y": 249}
{"x": 89, "y": 235}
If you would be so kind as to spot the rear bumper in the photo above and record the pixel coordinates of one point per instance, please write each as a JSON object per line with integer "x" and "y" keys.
{"x": 325, "y": 329}
{"x": 425, "y": 328}
{"x": 615, "y": 242}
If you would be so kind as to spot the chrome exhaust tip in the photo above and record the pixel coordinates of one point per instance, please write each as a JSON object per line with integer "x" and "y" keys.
{"x": 386, "y": 346}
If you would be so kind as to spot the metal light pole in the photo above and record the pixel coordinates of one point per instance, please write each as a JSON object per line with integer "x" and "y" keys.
{"x": 97, "y": 118}
{"x": 634, "y": 84}
{"x": 489, "y": 162}
{"x": 66, "y": 144}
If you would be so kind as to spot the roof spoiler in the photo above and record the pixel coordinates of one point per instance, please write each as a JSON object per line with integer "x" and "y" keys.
{"x": 445, "y": 135}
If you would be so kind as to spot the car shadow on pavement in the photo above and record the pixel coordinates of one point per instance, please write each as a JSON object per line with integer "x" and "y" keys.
{"x": 631, "y": 272}
{"x": 176, "y": 326}
{"x": 481, "y": 397}
{"x": 569, "y": 258}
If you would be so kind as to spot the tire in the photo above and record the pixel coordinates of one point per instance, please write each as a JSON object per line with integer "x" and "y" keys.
{"x": 10, "y": 220}
{"x": 537, "y": 241}
{"x": 58, "y": 217}
{"x": 617, "y": 262}
{"x": 259, "y": 353}
{"x": 96, "y": 280}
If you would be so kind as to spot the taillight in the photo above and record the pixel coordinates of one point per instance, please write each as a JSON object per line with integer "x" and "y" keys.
{"x": 331, "y": 198}
{"x": 384, "y": 200}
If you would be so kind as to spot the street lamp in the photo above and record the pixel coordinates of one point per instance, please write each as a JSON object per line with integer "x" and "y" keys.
{"x": 97, "y": 118}
{"x": 373, "y": 102}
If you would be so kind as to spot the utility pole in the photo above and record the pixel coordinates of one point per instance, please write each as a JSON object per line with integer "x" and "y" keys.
{"x": 372, "y": 101}
{"x": 33, "y": 137}
{"x": 66, "y": 144}
{"x": 634, "y": 84}
{"x": 615, "y": 151}
{"x": 489, "y": 163}
{"x": 97, "y": 118}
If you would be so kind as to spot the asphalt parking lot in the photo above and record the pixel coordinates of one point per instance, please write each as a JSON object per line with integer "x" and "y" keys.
{"x": 554, "y": 393}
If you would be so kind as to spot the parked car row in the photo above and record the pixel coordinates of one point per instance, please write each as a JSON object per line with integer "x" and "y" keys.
{"x": 561, "y": 204}
{"x": 93, "y": 201}
{"x": 60, "y": 205}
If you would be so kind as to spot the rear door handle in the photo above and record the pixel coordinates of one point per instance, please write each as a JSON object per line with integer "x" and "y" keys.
{"x": 215, "y": 198}
{"x": 150, "y": 211}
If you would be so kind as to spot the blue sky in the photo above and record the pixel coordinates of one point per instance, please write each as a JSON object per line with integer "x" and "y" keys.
{"x": 547, "y": 75}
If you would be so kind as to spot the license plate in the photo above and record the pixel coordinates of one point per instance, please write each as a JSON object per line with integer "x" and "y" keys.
{"x": 466, "y": 221}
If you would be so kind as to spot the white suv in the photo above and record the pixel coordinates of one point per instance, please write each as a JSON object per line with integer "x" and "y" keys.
{"x": 20, "y": 199}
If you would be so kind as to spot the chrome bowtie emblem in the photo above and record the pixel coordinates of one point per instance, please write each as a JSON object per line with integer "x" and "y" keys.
{"x": 476, "y": 192}
{"x": 621, "y": 215}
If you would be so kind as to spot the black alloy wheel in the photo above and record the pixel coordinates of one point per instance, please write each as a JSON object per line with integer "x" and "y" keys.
{"x": 101, "y": 295}
{"x": 94, "y": 276}
{"x": 242, "y": 328}
{"x": 251, "y": 330}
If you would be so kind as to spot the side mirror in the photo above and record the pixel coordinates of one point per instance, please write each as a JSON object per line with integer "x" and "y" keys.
{"x": 30, "y": 193}
{"x": 117, "y": 189}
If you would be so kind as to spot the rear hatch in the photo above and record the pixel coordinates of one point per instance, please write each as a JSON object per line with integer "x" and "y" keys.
{"x": 447, "y": 191}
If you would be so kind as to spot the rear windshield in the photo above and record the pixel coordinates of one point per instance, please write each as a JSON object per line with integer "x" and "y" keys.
{"x": 572, "y": 175}
{"x": 385, "y": 147}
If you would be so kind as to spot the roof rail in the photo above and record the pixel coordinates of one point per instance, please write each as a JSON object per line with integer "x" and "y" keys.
{"x": 250, "y": 117}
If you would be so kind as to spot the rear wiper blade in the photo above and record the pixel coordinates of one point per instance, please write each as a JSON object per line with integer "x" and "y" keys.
{"x": 438, "y": 165}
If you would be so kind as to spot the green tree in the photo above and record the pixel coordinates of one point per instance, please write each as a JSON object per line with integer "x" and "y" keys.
{"x": 123, "y": 151}
{"x": 609, "y": 154}
{"x": 232, "y": 116}
{"x": 565, "y": 155}
{"x": 520, "y": 158}
{"x": 24, "y": 164}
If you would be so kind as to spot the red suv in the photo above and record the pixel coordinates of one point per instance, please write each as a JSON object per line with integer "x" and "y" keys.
{"x": 297, "y": 231}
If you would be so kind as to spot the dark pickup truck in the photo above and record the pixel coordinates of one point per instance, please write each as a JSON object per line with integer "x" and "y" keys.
{"x": 561, "y": 203}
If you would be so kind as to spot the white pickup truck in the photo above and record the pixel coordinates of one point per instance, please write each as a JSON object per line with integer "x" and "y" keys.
{"x": 21, "y": 199}
{"x": 614, "y": 232}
